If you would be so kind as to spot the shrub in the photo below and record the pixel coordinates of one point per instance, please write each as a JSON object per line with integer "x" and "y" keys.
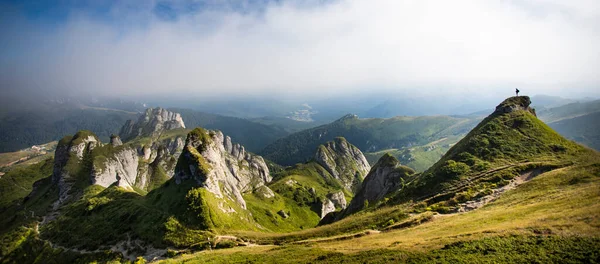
{"x": 226, "y": 244}
{"x": 453, "y": 169}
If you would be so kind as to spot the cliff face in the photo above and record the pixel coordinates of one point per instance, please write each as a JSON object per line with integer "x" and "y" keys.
{"x": 386, "y": 176}
{"x": 332, "y": 202}
{"x": 222, "y": 168}
{"x": 144, "y": 164}
{"x": 152, "y": 122}
{"x": 344, "y": 162}
{"x": 131, "y": 165}
{"x": 121, "y": 168}
{"x": 71, "y": 157}
{"x": 83, "y": 159}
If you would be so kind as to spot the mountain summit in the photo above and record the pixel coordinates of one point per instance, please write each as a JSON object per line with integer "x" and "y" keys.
{"x": 510, "y": 142}
{"x": 154, "y": 120}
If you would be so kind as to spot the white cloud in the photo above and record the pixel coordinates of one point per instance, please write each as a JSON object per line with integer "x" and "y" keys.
{"x": 543, "y": 46}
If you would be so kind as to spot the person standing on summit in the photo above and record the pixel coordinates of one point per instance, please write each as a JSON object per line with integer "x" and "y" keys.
{"x": 517, "y": 91}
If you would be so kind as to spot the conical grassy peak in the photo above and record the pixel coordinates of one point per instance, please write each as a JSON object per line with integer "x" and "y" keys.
{"x": 511, "y": 137}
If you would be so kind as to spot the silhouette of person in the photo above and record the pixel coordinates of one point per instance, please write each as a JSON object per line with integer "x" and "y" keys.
{"x": 517, "y": 91}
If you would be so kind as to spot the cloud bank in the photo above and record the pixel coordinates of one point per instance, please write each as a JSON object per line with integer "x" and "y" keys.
{"x": 307, "y": 48}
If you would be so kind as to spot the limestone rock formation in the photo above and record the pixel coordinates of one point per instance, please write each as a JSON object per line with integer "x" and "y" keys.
{"x": 159, "y": 155}
{"x": 222, "y": 168}
{"x": 338, "y": 199}
{"x": 332, "y": 202}
{"x": 386, "y": 176}
{"x": 327, "y": 207}
{"x": 115, "y": 140}
{"x": 144, "y": 166}
{"x": 344, "y": 162}
{"x": 154, "y": 120}
{"x": 264, "y": 192}
{"x": 70, "y": 155}
{"x": 120, "y": 168}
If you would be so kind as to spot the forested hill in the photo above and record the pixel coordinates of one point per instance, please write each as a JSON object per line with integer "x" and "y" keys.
{"x": 368, "y": 134}
{"x": 252, "y": 135}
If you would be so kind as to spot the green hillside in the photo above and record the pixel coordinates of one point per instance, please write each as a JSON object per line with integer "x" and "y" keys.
{"x": 583, "y": 129}
{"x": 286, "y": 124}
{"x": 253, "y": 135}
{"x": 369, "y": 135}
{"x": 567, "y": 111}
{"x": 544, "y": 206}
{"x": 509, "y": 142}
{"x": 576, "y": 121}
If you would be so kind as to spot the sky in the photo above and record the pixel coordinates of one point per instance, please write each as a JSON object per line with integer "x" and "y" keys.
{"x": 219, "y": 48}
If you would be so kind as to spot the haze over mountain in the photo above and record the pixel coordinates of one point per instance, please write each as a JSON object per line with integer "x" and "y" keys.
{"x": 189, "y": 49}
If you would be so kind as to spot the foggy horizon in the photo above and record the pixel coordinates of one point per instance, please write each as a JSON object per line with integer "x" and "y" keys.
{"x": 300, "y": 50}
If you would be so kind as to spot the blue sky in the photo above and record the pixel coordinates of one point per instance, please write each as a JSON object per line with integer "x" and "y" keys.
{"x": 299, "y": 48}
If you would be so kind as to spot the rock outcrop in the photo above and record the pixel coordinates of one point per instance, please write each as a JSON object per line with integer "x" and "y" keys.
{"x": 344, "y": 162}
{"x": 515, "y": 103}
{"x": 115, "y": 140}
{"x": 130, "y": 165}
{"x": 159, "y": 155}
{"x": 70, "y": 157}
{"x": 154, "y": 121}
{"x": 222, "y": 168}
{"x": 386, "y": 176}
{"x": 121, "y": 168}
{"x": 332, "y": 202}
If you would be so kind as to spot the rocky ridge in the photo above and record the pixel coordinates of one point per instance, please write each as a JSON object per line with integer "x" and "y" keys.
{"x": 332, "y": 202}
{"x": 344, "y": 162}
{"x": 153, "y": 121}
{"x": 71, "y": 153}
{"x": 387, "y": 176}
{"x": 131, "y": 165}
{"x": 224, "y": 169}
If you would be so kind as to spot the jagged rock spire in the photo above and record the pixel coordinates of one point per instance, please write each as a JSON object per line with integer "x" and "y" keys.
{"x": 154, "y": 120}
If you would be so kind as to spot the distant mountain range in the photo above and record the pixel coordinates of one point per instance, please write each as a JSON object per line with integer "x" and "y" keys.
{"x": 40, "y": 122}
{"x": 579, "y": 121}
{"x": 369, "y": 135}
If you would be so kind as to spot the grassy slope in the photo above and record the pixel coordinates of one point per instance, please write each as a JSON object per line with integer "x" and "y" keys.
{"x": 17, "y": 183}
{"x": 293, "y": 196}
{"x": 549, "y": 215}
{"x": 371, "y": 134}
{"x": 517, "y": 140}
{"x": 554, "y": 217}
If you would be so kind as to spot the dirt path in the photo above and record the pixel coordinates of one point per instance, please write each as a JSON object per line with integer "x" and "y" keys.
{"x": 339, "y": 238}
{"x": 480, "y": 202}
